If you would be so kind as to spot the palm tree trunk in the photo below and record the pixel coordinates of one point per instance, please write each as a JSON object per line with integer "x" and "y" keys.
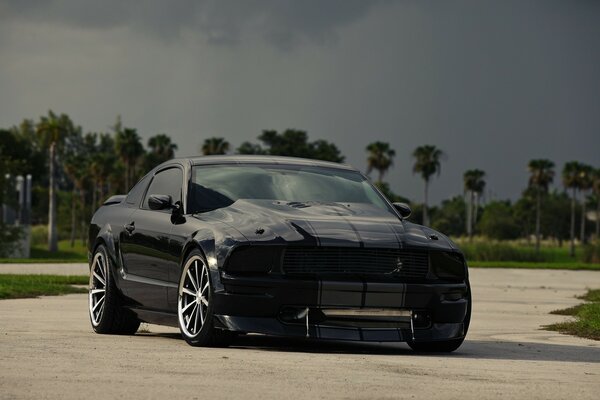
{"x": 52, "y": 235}
{"x": 476, "y": 210}
{"x": 83, "y": 221}
{"x": 573, "y": 200}
{"x": 73, "y": 203}
{"x": 468, "y": 213}
{"x": 425, "y": 213}
{"x": 380, "y": 175}
{"x": 94, "y": 197}
{"x": 127, "y": 172}
{"x": 582, "y": 230}
{"x": 597, "y": 217}
{"x": 537, "y": 219}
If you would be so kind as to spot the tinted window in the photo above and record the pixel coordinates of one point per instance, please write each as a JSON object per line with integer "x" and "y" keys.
{"x": 219, "y": 186}
{"x": 167, "y": 182}
{"x": 135, "y": 194}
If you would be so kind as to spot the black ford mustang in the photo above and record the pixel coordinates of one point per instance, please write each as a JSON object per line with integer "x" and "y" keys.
{"x": 225, "y": 245}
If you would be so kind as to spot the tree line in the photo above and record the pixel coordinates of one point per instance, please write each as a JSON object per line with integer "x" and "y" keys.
{"x": 74, "y": 172}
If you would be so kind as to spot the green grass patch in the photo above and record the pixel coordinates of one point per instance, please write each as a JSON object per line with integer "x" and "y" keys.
{"x": 573, "y": 265}
{"x": 65, "y": 254}
{"x": 14, "y": 286}
{"x": 586, "y": 317}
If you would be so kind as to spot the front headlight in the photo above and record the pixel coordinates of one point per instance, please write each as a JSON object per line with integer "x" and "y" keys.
{"x": 448, "y": 265}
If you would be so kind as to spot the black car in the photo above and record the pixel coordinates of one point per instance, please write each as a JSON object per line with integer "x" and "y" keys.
{"x": 226, "y": 245}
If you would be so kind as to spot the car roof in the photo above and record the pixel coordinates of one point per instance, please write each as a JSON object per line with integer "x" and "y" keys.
{"x": 262, "y": 159}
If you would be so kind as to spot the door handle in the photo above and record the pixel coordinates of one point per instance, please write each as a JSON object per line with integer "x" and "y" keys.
{"x": 130, "y": 227}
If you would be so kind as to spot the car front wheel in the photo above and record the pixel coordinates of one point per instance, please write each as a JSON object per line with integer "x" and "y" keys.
{"x": 195, "y": 306}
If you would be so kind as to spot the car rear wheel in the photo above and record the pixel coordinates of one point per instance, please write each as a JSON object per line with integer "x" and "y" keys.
{"x": 107, "y": 314}
{"x": 195, "y": 306}
{"x": 445, "y": 346}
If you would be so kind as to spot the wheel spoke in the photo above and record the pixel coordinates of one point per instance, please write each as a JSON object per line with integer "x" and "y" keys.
{"x": 184, "y": 309}
{"x": 204, "y": 289}
{"x": 190, "y": 316}
{"x": 198, "y": 311}
{"x": 202, "y": 314}
{"x": 198, "y": 280}
{"x": 188, "y": 292}
{"x": 100, "y": 301}
{"x": 102, "y": 281}
{"x": 192, "y": 280}
{"x": 96, "y": 291}
{"x": 204, "y": 301}
{"x": 101, "y": 265}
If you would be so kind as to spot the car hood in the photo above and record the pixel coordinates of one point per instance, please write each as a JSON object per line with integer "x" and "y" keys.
{"x": 325, "y": 224}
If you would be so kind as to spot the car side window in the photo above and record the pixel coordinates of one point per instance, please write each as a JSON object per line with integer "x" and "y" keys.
{"x": 169, "y": 182}
{"x": 135, "y": 195}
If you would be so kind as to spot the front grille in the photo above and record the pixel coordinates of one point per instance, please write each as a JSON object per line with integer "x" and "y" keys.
{"x": 409, "y": 264}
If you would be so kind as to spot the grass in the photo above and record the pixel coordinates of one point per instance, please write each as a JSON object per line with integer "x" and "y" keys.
{"x": 489, "y": 250}
{"x": 586, "y": 321}
{"x": 65, "y": 254}
{"x": 22, "y": 286}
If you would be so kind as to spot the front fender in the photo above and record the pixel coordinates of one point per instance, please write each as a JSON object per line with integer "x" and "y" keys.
{"x": 215, "y": 244}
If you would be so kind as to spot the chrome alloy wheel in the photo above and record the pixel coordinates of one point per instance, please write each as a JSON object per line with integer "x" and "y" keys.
{"x": 194, "y": 296}
{"x": 97, "y": 288}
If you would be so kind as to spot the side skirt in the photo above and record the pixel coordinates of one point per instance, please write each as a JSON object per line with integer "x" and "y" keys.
{"x": 155, "y": 317}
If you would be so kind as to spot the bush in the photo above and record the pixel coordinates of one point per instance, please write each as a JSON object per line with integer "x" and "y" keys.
{"x": 495, "y": 251}
{"x": 39, "y": 235}
{"x": 591, "y": 252}
{"x": 498, "y": 221}
{"x": 10, "y": 237}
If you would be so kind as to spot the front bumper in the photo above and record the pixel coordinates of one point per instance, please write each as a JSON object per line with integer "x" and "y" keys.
{"x": 293, "y": 307}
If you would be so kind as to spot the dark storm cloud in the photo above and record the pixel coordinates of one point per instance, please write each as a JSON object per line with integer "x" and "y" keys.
{"x": 492, "y": 83}
{"x": 281, "y": 22}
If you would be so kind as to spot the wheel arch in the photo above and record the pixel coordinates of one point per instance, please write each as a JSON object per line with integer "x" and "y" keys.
{"x": 105, "y": 238}
{"x": 203, "y": 241}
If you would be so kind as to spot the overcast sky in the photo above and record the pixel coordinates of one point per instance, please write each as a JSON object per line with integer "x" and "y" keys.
{"x": 492, "y": 83}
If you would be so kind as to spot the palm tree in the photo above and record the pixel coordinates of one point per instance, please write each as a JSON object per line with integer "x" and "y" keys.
{"x": 161, "y": 150}
{"x": 541, "y": 176}
{"x": 250, "y": 148}
{"x": 129, "y": 147}
{"x": 162, "y": 147}
{"x": 76, "y": 166}
{"x": 214, "y": 145}
{"x": 586, "y": 181}
{"x": 427, "y": 163}
{"x": 596, "y": 190}
{"x": 381, "y": 158}
{"x": 571, "y": 180}
{"x": 474, "y": 186}
{"x": 52, "y": 131}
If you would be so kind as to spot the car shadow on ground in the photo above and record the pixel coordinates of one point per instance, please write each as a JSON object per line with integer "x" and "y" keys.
{"x": 471, "y": 349}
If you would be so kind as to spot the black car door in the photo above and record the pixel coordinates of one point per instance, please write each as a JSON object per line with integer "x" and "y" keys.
{"x": 145, "y": 243}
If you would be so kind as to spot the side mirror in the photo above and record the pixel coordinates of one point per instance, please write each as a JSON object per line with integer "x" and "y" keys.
{"x": 403, "y": 209}
{"x": 159, "y": 201}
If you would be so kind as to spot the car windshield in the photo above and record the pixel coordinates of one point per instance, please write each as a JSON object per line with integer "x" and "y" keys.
{"x": 217, "y": 186}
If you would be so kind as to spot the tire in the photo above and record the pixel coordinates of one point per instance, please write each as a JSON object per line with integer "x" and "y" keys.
{"x": 106, "y": 312}
{"x": 445, "y": 346}
{"x": 195, "y": 308}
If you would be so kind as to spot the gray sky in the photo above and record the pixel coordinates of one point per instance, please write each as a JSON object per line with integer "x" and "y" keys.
{"x": 492, "y": 83}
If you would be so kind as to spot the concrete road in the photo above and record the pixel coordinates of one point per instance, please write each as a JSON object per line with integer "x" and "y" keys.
{"x": 46, "y": 269}
{"x": 47, "y": 350}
